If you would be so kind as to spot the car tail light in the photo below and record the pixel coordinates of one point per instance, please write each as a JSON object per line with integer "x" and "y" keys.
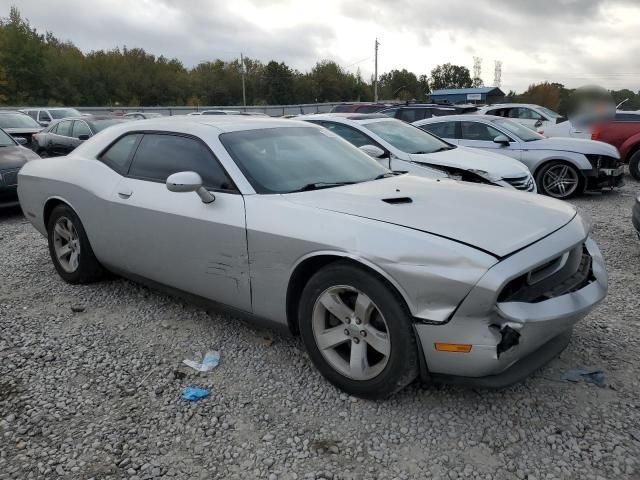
{"x": 595, "y": 134}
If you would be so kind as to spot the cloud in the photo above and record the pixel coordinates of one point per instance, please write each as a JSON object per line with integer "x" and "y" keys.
{"x": 570, "y": 41}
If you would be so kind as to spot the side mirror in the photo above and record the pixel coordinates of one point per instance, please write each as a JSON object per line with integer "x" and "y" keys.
{"x": 189, "y": 182}
{"x": 538, "y": 123}
{"x": 501, "y": 139}
{"x": 20, "y": 140}
{"x": 83, "y": 137}
{"x": 373, "y": 151}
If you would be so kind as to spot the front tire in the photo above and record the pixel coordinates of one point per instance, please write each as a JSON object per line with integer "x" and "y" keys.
{"x": 358, "y": 332}
{"x": 69, "y": 247}
{"x": 634, "y": 165}
{"x": 559, "y": 180}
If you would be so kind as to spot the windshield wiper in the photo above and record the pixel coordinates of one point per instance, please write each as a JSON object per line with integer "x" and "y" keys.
{"x": 319, "y": 185}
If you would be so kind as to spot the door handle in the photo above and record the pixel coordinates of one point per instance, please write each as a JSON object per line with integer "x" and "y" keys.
{"x": 125, "y": 193}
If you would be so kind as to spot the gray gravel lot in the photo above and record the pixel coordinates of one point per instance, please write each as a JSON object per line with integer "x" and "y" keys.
{"x": 96, "y": 393}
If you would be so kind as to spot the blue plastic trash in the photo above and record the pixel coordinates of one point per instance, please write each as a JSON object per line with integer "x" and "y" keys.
{"x": 193, "y": 394}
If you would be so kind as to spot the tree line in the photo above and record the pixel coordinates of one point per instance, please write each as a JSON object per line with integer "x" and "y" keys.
{"x": 40, "y": 69}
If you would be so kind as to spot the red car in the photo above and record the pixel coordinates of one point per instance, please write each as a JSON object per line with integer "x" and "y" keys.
{"x": 625, "y": 136}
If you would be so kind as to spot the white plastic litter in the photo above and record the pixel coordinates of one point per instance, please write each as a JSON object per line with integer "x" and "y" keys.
{"x": 209, "y": 362}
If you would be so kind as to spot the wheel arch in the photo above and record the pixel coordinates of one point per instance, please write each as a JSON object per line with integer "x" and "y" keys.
{"x": 567, "y": 161}
{"x": 52, "y": 203}
{"x": 307, "y": 266}
{"x": 631, "y": 151}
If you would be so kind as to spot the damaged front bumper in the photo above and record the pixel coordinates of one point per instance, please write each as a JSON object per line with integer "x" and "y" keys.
{"x": 511, "y": 339}
{"x": 600, "y": 178}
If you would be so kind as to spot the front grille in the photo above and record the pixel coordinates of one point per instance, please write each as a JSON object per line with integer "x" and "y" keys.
{"x": 9, "y": 177}
{"x": 521, "y": 183}
{"x": 564, "y": 274}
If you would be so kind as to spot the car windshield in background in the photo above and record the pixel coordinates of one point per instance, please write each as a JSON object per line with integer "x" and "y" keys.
{"x": 523, "y": 133}
{"x": 549, "y": 113}
{"x": 407, "y": 138}
{"x": 59, "y": 113}
{"x": 17, "y": 120}
{"x": 99, "y": 125}
{"x": 289, "y": 159}
{"x": 6, "y": 140}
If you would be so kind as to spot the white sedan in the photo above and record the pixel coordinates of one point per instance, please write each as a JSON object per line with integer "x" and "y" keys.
{"x": 400, "y": 146}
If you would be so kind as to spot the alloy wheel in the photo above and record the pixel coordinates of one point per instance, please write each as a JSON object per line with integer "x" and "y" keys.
{"x": 351, "y": 332}
{"x": 66, "y": 244}
{"x": 560, "y": 181}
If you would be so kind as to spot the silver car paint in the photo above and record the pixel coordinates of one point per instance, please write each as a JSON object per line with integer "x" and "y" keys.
{"x": 535, "y": 153}
{"x": 416, "y": 249}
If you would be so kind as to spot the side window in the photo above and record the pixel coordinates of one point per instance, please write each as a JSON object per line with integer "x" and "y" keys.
{"x": 160, "y": 155}
{"x": 478, "y": 131}
{"x": 117, "y": 156}
{"x": 442, "y": 129}
{"x": 33, "y": 114}
{"x": 410, "y": 115}
{"x": 525, "y": 114}
{"x": 80, "y": 128}
{"x": 351, "y": 135}
{"x": 44, "y": 116}
{"x": 495, "y": 112}
{"x": 64, "y": 128}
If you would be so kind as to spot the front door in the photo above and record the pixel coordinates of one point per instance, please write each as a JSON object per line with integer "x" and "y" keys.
{"x": 174, "y": 238}
{"x": 481, "y": 135}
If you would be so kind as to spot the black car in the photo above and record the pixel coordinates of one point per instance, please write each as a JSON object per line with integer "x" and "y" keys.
{"x": 62, "y": 136}
{"x": 12, "y": 157}
{"x": 413, "y": 112}
{"x": 19, "y": 125}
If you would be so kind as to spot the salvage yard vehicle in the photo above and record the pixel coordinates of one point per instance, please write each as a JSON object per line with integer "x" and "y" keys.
{"x": 19, "y": 125}
{"x": 623, "y": 135}
{"x": 403, "y": 147}
{"x": 385, "y": 276}
{"x": 44, "y": 116}
{"x": 12, "y": 157}
{"x": 530, "y": 115}
{"x": 62, "y": 136}
{"x": 563, "y": 167}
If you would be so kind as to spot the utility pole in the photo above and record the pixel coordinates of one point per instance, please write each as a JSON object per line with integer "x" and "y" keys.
{"x": 242, "y": 71}
{"x": 375, "y": 80}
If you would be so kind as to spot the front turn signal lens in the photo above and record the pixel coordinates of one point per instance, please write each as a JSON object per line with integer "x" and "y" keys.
{"x": 453, "y": 347}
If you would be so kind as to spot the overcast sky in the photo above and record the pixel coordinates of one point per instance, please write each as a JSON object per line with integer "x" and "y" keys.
{"x": 575, "y": 42}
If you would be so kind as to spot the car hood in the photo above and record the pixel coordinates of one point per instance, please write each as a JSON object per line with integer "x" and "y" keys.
{"x": 576, "y": 145}
{"x": 499, "y": 166}
{"x": 15, "y": 157}
{"x": 492, "y": 219}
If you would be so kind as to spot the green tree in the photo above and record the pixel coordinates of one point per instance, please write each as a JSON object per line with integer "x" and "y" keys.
{"x": 450, "y": 76}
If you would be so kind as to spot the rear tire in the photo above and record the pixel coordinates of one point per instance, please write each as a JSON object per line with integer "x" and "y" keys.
{"x": 363, "y": 342}
{"x": 69, "y": 247}
{"x": 559, "y": 180}
{"x": 634, "y": 165}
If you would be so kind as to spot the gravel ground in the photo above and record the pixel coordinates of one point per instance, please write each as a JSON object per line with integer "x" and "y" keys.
{"x": 90, "y": 381}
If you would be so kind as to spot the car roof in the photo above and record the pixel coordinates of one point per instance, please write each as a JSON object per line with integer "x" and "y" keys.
{"x": 453, "y": 118}
{"x": 505, "y": 105}
{"x": 345, "y": 116}
{"x": 224, "y": 123}
{"x": 13, "y": 111}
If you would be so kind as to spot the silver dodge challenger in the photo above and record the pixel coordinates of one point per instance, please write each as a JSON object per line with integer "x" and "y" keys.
{"x": 385, "y": 276}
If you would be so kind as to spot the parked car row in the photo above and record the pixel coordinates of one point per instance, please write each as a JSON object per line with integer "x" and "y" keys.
{"x": 386, "y": 275}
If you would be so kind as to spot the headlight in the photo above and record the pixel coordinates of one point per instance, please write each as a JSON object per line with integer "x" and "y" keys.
{"x": 486, "y": 175}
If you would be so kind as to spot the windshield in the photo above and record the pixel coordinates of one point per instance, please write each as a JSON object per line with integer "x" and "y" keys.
{"x": 6, "y": 140}
{"x": 549, "y": 113}
{"x": 288, "y": 159}
{"x": 99, "y": 125}
{"x": 59, "y": 113}
{"x": 523, "y": 133}
{"x": 17, "y": 120}
{"x": 407, "y": 138}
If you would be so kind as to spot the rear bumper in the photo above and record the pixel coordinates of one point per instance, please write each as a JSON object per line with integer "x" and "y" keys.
{"x": 539, "y": 328}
